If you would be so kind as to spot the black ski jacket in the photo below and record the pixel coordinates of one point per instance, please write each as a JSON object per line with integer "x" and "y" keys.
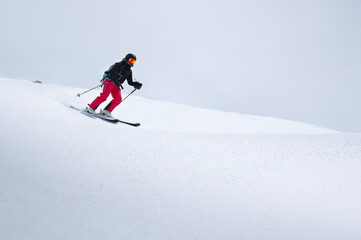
{"x": 120, "y": 72}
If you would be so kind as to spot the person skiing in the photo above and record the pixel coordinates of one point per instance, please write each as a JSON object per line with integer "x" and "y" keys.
{"x": 113, "y": 79}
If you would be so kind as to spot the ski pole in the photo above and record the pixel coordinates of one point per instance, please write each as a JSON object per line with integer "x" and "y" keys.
{"x": 129, "y": 94}
{"x": 78, "y": 95}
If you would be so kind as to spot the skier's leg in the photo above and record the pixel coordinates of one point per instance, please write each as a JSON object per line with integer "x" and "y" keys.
{"x": 116, "y": 94}
{"x": 107, "y": 89}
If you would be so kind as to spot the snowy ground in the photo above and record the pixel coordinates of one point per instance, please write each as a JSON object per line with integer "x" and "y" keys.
{"x": 183, "y": 174}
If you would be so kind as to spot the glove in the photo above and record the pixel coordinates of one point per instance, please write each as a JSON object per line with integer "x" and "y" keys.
{"x": 137, "y": 85}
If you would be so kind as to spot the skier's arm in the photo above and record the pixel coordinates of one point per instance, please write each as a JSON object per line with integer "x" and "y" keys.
{"x": 135, "y": 84}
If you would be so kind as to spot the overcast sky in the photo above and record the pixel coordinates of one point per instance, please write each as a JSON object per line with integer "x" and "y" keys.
{"x": 298, "y": 60}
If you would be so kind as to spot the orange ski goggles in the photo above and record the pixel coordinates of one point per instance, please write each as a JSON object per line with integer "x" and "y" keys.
{"x": 131, "y": 61}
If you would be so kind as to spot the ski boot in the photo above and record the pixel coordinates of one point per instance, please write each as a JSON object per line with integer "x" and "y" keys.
{"x": 106, "y": 113}
{"x": 89, "y": 110}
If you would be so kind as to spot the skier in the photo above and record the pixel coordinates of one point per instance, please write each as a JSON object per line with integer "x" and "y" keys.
{"x": 112, "y": 81}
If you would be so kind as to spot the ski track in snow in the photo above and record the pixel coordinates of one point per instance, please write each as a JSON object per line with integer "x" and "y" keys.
{"x": 67, "y": 176}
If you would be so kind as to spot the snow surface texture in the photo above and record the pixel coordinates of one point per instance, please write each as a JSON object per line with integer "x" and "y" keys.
{"x": 186, "y": 173}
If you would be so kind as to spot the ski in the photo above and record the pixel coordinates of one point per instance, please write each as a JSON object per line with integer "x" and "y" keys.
{"x": 82, "y": 111}
{"x": 115, "y": 120}
{"x": 107, "y": 119}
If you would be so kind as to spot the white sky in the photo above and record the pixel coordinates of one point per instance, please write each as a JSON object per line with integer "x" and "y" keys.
{"x": 298, "y": 60}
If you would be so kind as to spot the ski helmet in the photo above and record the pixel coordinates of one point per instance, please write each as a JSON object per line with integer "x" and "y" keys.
{"x": 130, "y": 55}
{"x": 131, "y": 58}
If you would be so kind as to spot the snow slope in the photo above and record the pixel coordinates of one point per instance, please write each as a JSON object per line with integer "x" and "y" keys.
{"x": 186, "y": 173}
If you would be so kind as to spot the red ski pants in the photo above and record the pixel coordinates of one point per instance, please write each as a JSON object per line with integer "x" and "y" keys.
{"x": 108, "y": 88}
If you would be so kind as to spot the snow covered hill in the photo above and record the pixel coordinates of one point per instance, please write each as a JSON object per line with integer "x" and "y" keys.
{"x": 48, "y": 101}
{"x": 186, "y": 173}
